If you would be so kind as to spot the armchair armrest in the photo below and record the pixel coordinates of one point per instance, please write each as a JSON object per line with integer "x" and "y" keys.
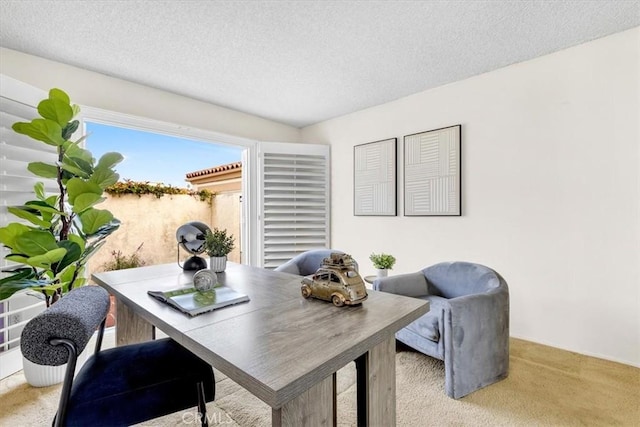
{"x": 476, "y": 340}
{"x": 410, "y": 284}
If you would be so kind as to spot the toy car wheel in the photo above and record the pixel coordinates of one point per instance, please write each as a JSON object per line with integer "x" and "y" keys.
{"x": 337, "y": 300}
{"x": 306, "y": 291}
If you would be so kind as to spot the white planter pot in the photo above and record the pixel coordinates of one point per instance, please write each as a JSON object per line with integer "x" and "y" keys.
{"x": 45, "y": 375}
{"x": 382, "y": 272}
{"x": 218, "y": 263}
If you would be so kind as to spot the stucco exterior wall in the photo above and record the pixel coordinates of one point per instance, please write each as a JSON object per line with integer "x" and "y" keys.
{"x": 153, "y": 222}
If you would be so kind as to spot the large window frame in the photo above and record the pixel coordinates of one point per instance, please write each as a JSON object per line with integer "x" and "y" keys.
{"x": 249, "y": 160}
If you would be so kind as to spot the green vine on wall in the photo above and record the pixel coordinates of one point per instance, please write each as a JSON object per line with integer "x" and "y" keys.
{"x": 140, "y": 188}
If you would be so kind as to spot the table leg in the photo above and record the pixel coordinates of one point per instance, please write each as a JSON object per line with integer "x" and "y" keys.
{"x": 131, "y": 328}
{"x": 376, "y": 385}
{"x": 312, "y": 408}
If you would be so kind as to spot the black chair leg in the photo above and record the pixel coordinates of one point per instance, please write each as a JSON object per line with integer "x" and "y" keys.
{"x": 202, "y": 405}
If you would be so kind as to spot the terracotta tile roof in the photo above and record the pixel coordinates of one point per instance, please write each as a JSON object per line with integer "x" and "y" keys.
{"x": 216, "y": 169}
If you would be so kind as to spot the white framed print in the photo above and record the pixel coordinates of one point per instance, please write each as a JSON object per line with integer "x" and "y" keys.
{"x": 375, "y": 178}
{"x": 432, "y": 173}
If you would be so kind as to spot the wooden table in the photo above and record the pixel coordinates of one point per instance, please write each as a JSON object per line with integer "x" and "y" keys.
{"x": 280, "y": 347}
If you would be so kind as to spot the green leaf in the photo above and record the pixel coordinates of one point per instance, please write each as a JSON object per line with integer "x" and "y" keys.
{"x": 56, "y": 110}
{"x": 19, "y": 258}
{"x": 11, "y": 287}
{"x": 75, "y": 170}
{"x": 29, "y": 216}
{"x": 51, "y": 288}
{"x": 85, "y": 201}
{"x": 77, "y": 240}
{"x": 43, "y": 130}
{"x": 109, "y": 160}
{"x": 43, "y": 170}
{"x": 73, "y": 149}
{"x": 35, "y": 242}
{"x": 52, "y": 200}
{"x": 66, "y": 275}
{"x": 69, "y": 129}
{"x": 18, "y": 274}
{"x": 104, "y": 177}
{"x": 43, "y": 207}
{"x": 73, "y": 254}
{"x": 47, "y": 259}
{"x": 39, "y": 190}
{"x": 76, "y": 187}
{"x": 93, "y": 219}
{"x": 9, "y": 233}
{"x": 60, "y": 95}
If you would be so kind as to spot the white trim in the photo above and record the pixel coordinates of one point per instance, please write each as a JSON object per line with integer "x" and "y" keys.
{"x": 20, "y": 91}
{"x": 98, "y": 115}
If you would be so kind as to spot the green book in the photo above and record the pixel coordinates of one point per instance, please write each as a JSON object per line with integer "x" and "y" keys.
{"x": 193, "y": 302}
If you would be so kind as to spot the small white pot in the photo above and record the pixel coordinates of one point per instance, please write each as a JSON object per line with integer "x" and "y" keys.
{"x": 45, "y": 375}
{"x": 382, "y": 272}
{"x": 218, "y": 263}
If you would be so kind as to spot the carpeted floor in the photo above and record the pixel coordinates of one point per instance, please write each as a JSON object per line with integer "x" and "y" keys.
{"x": 545, "y": 387}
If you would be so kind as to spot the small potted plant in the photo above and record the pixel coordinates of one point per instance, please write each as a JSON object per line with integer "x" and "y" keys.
{"x": 383, "y": 263}
{"x": 218, "y": 244}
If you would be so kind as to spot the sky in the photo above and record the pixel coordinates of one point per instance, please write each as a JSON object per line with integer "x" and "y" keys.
{"x": 154, "y": 157}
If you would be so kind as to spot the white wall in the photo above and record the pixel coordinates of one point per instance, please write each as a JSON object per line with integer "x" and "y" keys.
{"x": 101, "y": 91}
{"x": 550, "y": 191}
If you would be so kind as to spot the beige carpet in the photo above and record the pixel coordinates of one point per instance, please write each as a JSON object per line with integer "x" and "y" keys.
{"x": 545, "y": 387}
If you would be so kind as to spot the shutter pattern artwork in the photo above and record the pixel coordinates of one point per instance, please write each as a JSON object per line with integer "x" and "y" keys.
{"x": 295, "y": 205}
{"x": 374, "y": 186}
{"x": 432, "y": 172}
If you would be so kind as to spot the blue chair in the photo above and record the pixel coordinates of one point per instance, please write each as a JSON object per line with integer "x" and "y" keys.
{"x": 467, "y": 325}
{"x": 119, "y": 386}
{"x": 307, "y": 262}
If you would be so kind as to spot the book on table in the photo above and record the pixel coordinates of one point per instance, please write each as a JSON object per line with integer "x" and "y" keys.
{"x": 193, "y": 302}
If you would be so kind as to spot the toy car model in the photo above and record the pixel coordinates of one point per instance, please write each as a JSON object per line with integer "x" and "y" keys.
{"x": 337, "y": 280}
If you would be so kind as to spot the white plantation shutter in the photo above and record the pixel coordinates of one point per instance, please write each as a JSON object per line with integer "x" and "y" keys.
{"x": 17, "y": 103}
{"x": 295, "y": 204}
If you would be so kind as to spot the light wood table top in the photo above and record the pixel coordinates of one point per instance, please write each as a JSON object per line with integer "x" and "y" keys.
{"x": 278, "y": 345}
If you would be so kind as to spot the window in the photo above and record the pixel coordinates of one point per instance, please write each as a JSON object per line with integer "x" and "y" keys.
{"x": 294, "y": 202}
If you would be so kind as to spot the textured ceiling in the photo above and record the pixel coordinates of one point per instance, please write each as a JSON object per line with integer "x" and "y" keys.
{"x": 302, "y": 62}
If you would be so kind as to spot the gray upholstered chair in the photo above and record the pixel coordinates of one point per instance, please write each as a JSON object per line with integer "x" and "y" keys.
{"x": 307, "y": 262}
{"x": 467, "y": 325}
{"x": 119, "y": 386}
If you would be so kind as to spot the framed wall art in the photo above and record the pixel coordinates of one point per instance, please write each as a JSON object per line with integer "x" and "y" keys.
{"x": 374, "y": 187}
{"x": 432, "y": 175}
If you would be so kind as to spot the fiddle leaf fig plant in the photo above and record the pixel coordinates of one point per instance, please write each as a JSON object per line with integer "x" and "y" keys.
{"x": 58, "y": 232}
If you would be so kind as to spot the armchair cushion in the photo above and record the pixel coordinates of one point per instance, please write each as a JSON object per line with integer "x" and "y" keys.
{"x": 158, "y": 375}
{"x": 427, "y": 326}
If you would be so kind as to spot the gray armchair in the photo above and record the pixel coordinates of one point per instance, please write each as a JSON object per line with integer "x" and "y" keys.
{"x": 467, "y": 325}
{"x": 307, "y": 262}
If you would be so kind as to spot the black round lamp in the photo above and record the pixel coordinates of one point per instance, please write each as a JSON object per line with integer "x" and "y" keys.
{"x": 191, "y": 237}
